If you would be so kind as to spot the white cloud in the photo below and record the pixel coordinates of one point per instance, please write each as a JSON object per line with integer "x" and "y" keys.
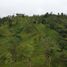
{"x": 32, "y": 6}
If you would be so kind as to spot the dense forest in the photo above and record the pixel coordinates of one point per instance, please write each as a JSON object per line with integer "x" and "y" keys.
{"x": 33, "y": 41}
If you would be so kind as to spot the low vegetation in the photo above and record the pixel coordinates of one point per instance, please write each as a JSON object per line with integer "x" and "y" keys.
{"x": 33, "y": 41}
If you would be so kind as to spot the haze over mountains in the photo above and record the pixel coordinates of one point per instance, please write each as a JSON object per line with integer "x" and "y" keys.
{"x": 30, "y": 7}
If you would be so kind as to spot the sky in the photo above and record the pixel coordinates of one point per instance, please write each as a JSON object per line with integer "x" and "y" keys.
{"x": 30, "y": 7}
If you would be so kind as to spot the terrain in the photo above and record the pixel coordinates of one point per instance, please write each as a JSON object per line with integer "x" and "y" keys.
{"x": 33, "y": 41}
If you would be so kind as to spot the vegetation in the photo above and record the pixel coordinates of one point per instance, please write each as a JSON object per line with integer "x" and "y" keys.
{"x": 33, "y": 41}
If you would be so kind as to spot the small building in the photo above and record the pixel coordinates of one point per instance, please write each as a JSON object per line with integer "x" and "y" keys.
{"x": 21, "y": 15}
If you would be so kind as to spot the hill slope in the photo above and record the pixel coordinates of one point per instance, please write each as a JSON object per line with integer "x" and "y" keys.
{"x": 36, "y": 41}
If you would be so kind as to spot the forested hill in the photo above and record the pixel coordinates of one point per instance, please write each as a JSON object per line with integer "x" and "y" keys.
{"x": 33, "y": 41}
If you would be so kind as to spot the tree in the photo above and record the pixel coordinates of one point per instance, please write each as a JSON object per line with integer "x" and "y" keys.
{"x": 49, "y": 53}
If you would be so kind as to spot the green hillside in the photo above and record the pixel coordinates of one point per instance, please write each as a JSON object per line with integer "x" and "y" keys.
{"x": 33, "y": 41}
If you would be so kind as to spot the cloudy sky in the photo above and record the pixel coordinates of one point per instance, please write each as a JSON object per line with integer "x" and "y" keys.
{"x": 30, "y": 7}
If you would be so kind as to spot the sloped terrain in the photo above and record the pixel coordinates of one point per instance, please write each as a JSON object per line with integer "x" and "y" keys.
{"x": 33, "y": 41}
